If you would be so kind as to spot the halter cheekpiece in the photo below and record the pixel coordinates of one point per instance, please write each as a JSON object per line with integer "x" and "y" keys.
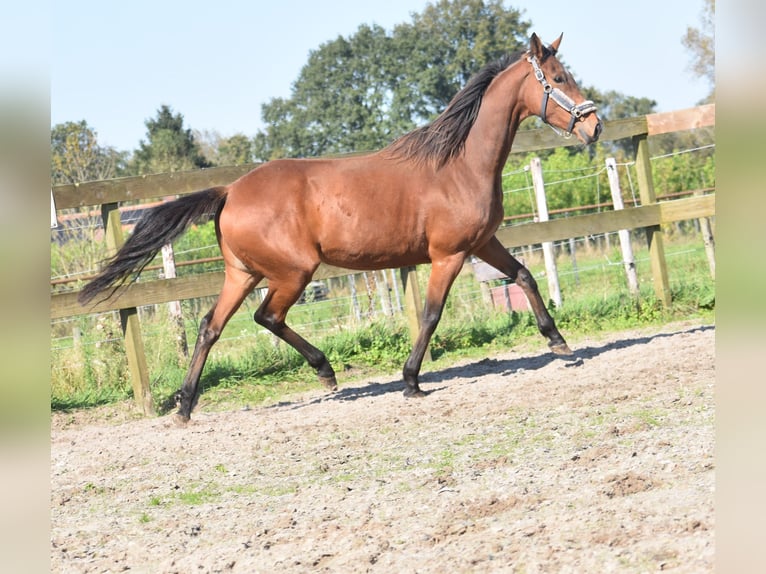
{"x": 575, "y": 110}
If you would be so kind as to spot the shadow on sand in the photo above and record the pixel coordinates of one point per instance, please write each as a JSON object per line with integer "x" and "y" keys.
{"x": 484, "y": 367}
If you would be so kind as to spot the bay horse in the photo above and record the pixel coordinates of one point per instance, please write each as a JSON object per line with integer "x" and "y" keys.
{"x": 432, "y": 196}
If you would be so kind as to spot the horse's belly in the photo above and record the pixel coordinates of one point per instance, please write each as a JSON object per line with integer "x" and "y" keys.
{"x": 365, "y": 254}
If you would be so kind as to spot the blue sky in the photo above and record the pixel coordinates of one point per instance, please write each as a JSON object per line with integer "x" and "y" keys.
{"x": 114, "y": 64}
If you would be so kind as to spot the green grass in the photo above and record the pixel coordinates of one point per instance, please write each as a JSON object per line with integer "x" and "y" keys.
{"x": 248, "y": 367}
{"x": 197, "y": 497}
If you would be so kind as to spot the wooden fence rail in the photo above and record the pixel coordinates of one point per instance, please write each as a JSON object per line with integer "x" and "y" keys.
{"x": 649, "y": 216}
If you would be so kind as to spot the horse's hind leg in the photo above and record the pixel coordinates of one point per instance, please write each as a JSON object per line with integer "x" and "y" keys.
{"x": 271, "y": 314}
{"x": 497, "y": 255}
{"x": 236, "y": 286}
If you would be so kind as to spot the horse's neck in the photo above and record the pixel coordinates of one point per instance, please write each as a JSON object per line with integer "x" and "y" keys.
{"x": 502, "y": 110}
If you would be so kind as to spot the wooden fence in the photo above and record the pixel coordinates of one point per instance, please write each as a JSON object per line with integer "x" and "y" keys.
{"x": 650, "y": 215}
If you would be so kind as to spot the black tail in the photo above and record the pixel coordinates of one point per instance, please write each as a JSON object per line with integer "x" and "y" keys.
{"x": 161, "y": 225}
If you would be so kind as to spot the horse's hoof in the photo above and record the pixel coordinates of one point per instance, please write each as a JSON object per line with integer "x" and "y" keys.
{"x": 180, "y": 420}
{"x": 409, "y": 393}
{"x": 561, "y": 349}
{"x": 329, "y": 382}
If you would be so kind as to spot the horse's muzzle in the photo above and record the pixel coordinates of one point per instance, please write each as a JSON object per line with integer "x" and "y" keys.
{"x": 588, "y": 138}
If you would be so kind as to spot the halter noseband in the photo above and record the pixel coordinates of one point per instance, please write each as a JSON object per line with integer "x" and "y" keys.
{"x": 575, "y": 110}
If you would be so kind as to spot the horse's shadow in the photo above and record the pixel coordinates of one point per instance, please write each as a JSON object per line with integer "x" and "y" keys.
{"x": 482, "y": 367}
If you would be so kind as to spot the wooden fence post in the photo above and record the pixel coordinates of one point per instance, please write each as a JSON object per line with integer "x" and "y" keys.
{"x": 653, "y": 232}
{"x": 131, "y": 328}
{"x": 413, "y": 304}
{"x": 627, "y": 250}
{"x": 542, "y": 209}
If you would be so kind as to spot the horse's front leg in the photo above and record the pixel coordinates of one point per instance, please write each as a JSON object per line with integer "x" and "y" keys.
{"x": 494, "y": 253}
{"x": 443, "y": 273}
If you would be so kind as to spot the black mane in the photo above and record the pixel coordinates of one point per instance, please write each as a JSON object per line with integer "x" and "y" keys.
{"x": 444, "y": 138}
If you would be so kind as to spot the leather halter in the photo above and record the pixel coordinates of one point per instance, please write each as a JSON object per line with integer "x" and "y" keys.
{"x": 575, "y": 110}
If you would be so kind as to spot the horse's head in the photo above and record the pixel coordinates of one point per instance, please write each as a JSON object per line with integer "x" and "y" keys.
{"x": 553, "y": 91}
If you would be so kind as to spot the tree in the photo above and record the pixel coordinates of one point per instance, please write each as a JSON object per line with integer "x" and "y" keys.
{"x": 344, "y": 100}
{"x": 448, "y": 43}
{"x": 613, "y": 105}
{"x": 221, "y": 151}
{"x": 169, "y": 148}
{"x": 360, "y": 93}
{"x": 701, "y": 43}
{"x": 235, "y": 150}
{"x": 76, "y": 155}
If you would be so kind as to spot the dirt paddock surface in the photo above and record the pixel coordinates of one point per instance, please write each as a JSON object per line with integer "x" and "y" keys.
{"x": 521, "y": 462}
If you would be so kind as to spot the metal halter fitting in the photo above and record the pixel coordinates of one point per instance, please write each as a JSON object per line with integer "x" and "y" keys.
{"x": 575, "y": 110}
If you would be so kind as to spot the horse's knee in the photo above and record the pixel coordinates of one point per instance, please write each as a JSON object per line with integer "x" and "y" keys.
{"x": 267, "y": 320}
{"x": 206, "y": 334}
{"x": 525, "y": 280}
{"x": 258, "y": 317}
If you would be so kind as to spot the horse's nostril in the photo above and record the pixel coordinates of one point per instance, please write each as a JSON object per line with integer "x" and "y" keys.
{"x": 599, "y": 128}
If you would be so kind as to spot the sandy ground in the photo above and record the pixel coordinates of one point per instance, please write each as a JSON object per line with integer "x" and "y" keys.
{"x": 521, "y": 462}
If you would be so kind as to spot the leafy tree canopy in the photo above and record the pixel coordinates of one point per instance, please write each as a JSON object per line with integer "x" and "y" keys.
{"x": 700, "y": 42}
{"x": 235, "y": 150}
{"x": 361, "y": 92}
{"x": 169, "y": 147}
{"x": 76, "y": 155}
{"x": 222, "y": 151}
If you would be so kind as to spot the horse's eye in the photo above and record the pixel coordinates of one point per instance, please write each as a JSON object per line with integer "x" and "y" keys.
{"x": 559, "y": 79}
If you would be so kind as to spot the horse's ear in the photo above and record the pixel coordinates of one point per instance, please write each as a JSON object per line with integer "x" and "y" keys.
{"x": 556, "y": 43}
{"x": 536, "y": 47}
